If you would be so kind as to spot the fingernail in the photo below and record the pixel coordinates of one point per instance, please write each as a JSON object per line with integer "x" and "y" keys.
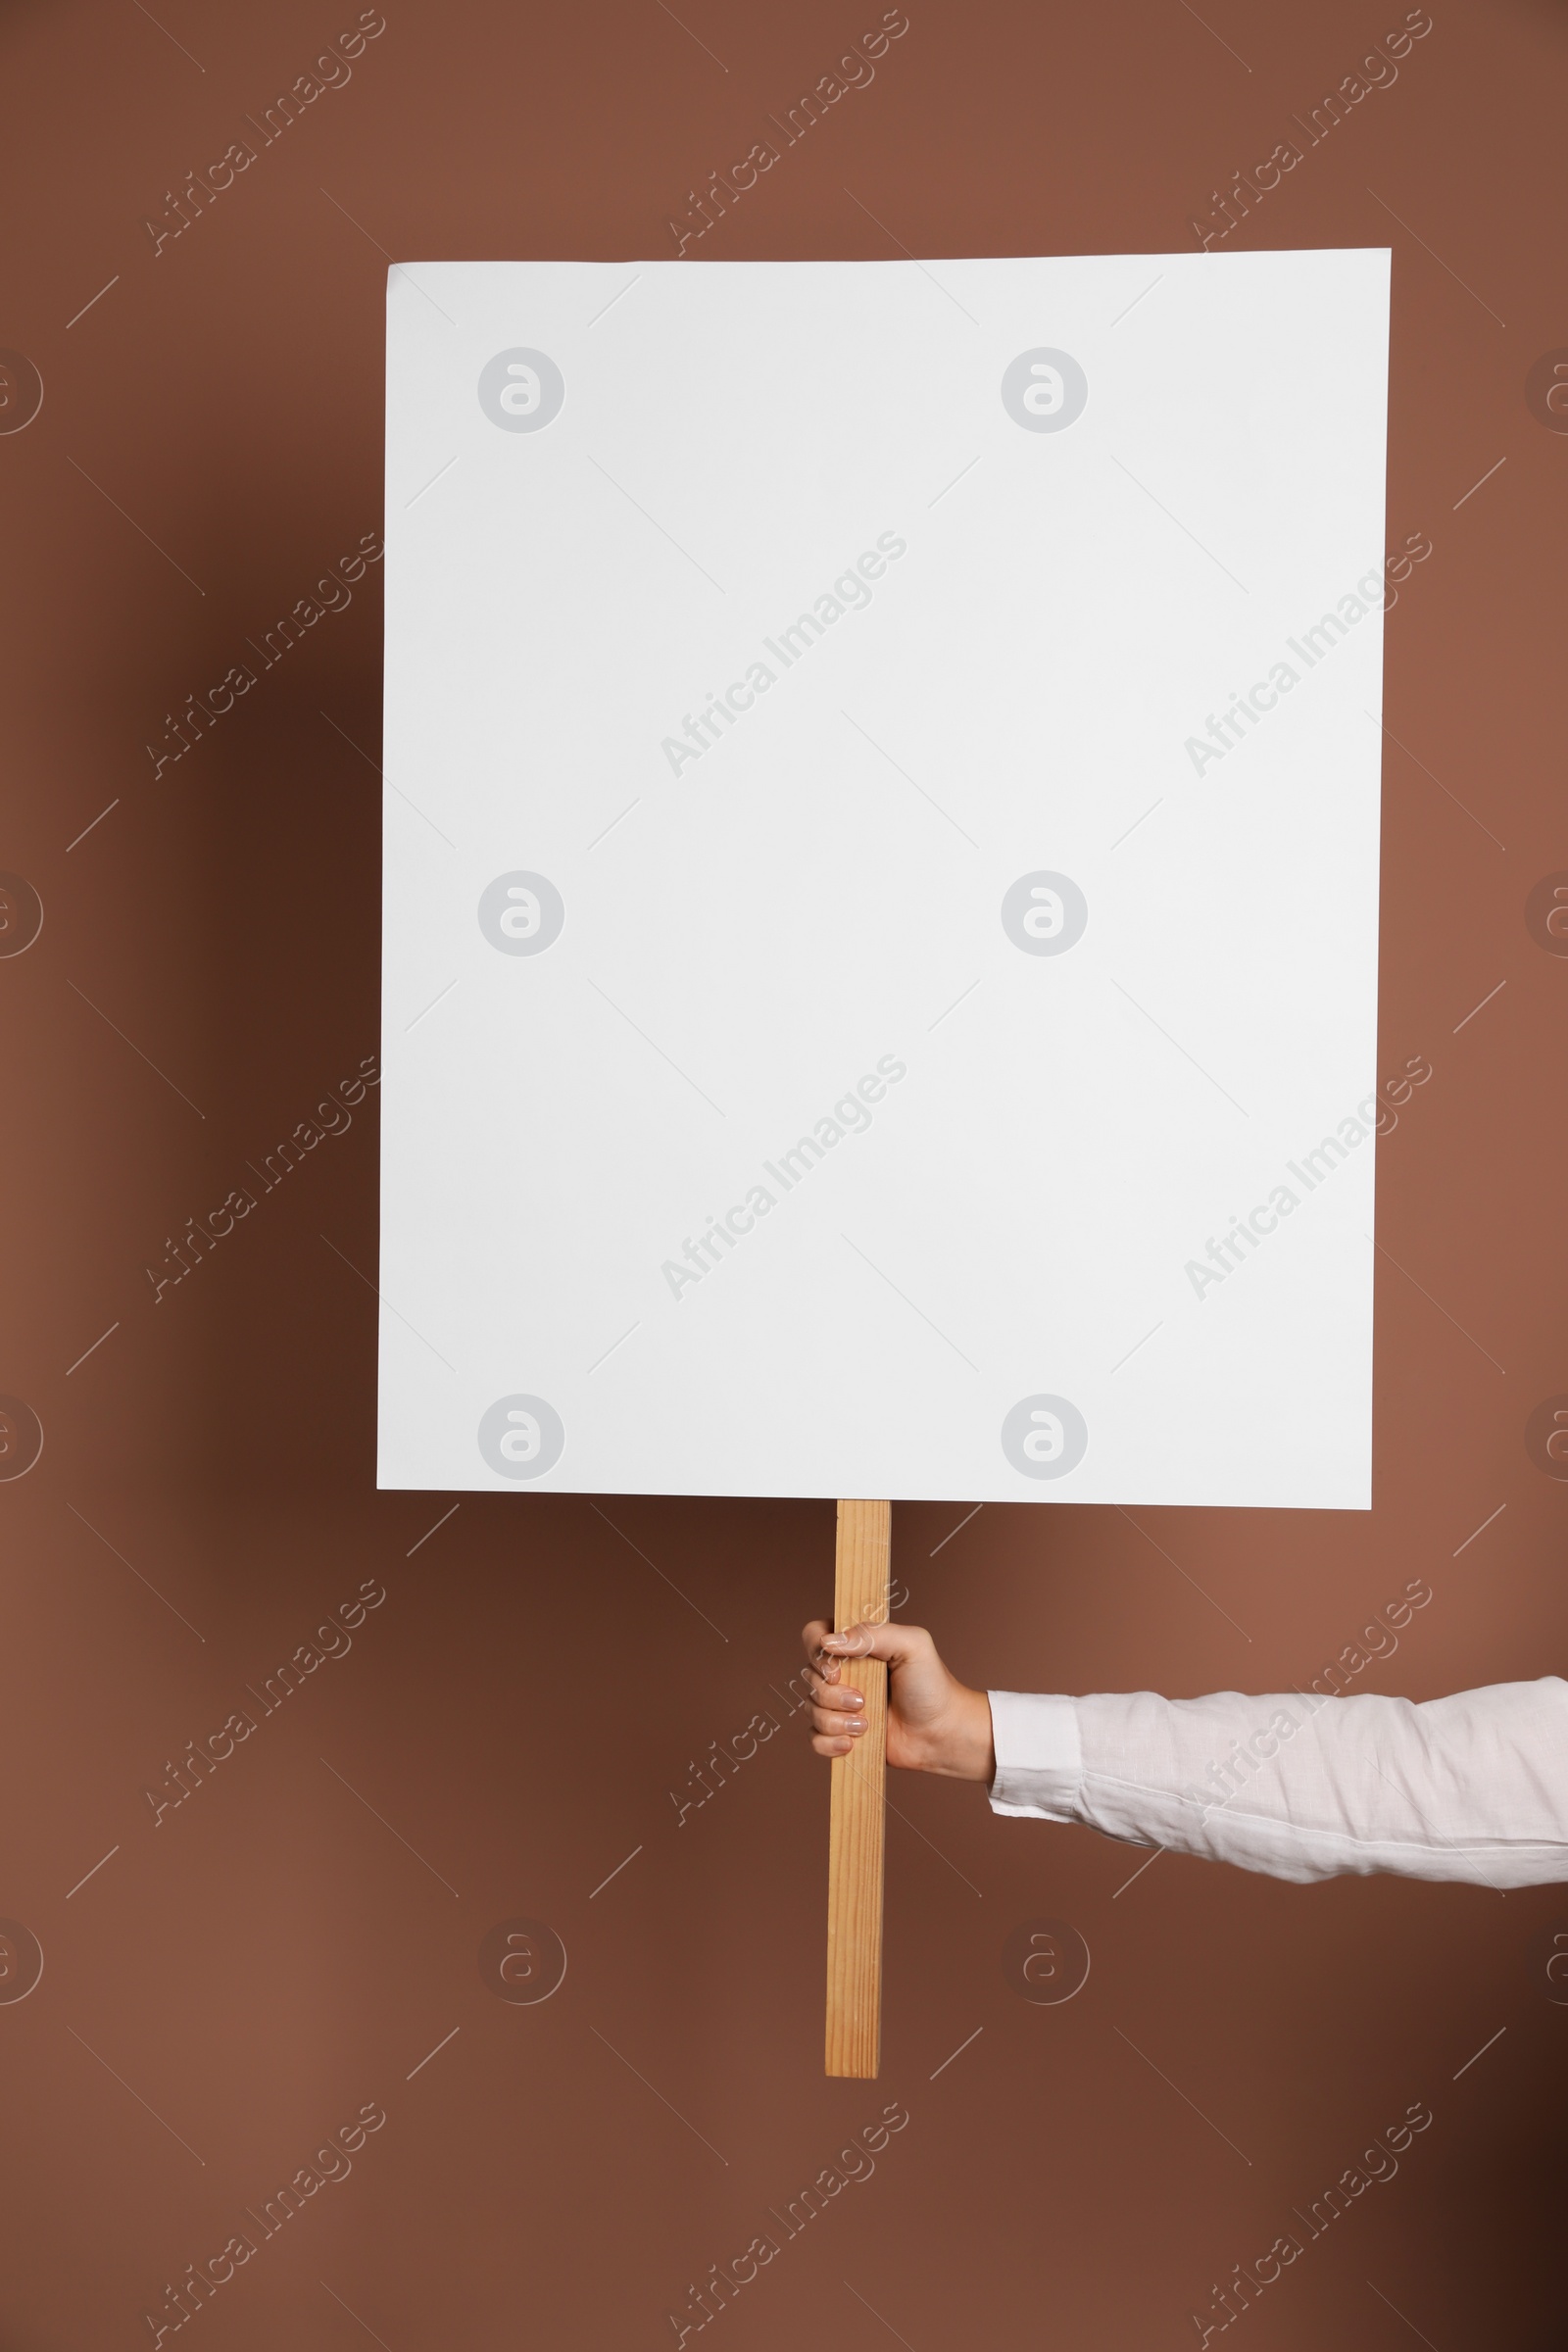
{"x": 857, "y": 1723}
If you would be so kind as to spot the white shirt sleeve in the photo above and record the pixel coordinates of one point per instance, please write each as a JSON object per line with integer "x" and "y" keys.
{"x": 1473, "y": 1788}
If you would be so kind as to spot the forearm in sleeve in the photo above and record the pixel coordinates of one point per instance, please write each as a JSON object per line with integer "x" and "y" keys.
{"x": 1472, "y": 1788}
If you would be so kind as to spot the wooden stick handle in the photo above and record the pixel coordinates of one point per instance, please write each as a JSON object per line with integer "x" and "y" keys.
{"x": 855, "y": 1824}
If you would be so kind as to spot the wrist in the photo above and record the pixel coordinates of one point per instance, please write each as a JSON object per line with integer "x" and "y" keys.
{"x": 966, "y": 1749}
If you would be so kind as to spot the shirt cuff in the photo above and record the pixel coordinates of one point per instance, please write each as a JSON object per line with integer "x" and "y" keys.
{"x": 1039, "y": 1755}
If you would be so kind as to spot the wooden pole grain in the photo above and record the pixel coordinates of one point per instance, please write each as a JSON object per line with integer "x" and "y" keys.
{"x": 861, "y": 1596}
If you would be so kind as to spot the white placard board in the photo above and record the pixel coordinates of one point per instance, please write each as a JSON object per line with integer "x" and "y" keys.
{"x": 881, "y": 866}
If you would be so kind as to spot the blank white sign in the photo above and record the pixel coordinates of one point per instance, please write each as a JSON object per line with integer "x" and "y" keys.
{"x": 881, "y": 877}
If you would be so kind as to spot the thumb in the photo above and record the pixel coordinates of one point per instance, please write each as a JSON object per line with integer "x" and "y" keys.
{"x": 897, "y": 1644}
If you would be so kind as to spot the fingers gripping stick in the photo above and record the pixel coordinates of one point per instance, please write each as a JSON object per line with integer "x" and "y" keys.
{"x": 857, "y": 1819}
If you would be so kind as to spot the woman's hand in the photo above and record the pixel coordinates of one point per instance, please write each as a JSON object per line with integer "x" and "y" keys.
{"x": 935, "y": 1723}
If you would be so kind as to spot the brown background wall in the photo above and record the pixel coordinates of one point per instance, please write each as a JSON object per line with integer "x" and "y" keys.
{"x": 224, "y": 1987}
